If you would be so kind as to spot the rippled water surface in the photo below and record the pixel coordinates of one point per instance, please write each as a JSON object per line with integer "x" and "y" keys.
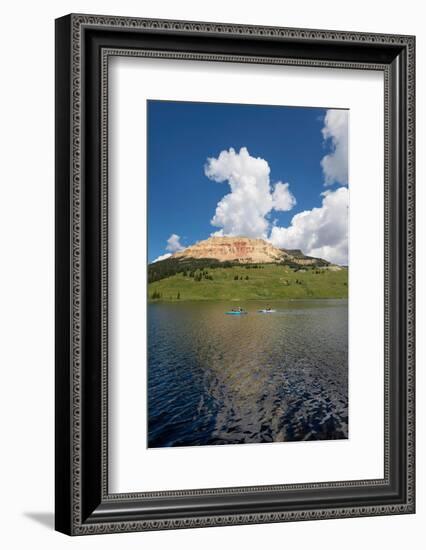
{"x": 215, "y": 379}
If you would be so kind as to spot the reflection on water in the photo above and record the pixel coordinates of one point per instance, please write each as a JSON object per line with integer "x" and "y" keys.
{"x": 215, "y": 379}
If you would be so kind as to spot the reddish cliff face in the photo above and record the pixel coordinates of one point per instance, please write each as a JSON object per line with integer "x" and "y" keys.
{"x": 240, "y": 249}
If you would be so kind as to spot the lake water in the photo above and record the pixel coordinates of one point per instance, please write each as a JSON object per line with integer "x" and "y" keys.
{"x": 218, "y": 379}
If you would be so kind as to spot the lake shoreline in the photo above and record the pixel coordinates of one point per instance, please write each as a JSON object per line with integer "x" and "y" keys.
{"x": 245, "y": 300}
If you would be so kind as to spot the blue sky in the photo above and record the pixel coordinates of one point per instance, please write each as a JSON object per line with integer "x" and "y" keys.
{"x": 185, "y": 190}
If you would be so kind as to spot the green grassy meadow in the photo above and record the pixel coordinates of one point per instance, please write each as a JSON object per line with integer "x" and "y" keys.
{"x": 239, "y": 283}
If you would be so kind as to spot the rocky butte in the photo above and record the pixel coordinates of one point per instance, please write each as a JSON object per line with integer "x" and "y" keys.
{"x": 245, "y": 251}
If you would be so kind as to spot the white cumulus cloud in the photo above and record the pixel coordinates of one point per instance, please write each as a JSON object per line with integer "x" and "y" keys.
{"x": 321, "y": 232}
{"x": 282, "y": 198}
{"x": 335, "y": 164}
{"x": 174, "y": 244}
{"x": 161, "y": 257}
{"x": 244, "y": 210}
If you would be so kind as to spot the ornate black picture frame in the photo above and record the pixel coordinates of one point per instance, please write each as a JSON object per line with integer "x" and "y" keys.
{"x": 84, "y": 44}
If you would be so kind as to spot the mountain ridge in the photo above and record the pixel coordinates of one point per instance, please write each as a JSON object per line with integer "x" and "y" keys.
{"x": 238, "y": 268}
{"x": 244, "y": 250}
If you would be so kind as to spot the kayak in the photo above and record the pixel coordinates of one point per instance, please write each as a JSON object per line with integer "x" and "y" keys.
{"x": 235, "y": 312}
{"x": 267, "y": 310}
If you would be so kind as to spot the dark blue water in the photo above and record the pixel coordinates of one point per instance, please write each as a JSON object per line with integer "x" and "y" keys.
{"x": 215, "y": 379}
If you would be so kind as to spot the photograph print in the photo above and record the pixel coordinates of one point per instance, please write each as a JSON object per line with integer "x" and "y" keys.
{"x": 247, "y": 314}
